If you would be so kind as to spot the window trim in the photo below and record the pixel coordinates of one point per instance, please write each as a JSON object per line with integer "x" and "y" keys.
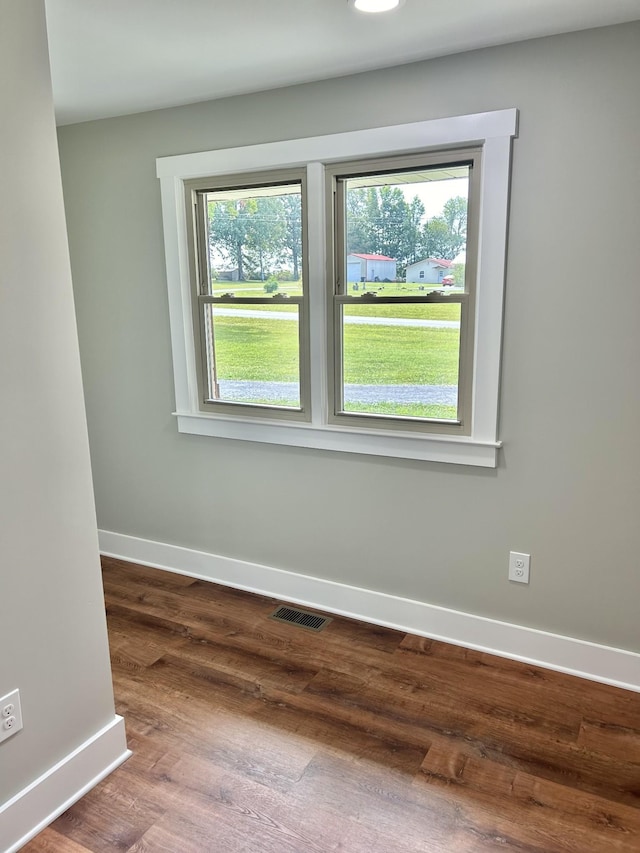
{"x": 492, "y": 131}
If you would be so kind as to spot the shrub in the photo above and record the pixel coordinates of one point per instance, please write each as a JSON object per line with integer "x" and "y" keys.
{"x": 284, "y": 275}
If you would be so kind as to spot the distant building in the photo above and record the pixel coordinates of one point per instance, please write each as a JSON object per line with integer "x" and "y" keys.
{"x": 228, "y": 275}
{"x": 362, "y": 267}
{"x": 428, "y": 271}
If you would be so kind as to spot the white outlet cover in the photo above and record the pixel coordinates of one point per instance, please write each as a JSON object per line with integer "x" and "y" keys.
{"x": 519, "y": 567}
{"x": 10, "y": 715}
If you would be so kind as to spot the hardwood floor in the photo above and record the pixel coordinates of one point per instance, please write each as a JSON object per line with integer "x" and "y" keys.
{"x": 252, "y": 735}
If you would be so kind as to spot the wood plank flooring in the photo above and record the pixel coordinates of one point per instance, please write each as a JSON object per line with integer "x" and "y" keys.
{"x": 252, "y": 735}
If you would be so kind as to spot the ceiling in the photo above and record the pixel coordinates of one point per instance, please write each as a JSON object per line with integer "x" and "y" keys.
{"x": 113, "y": 57}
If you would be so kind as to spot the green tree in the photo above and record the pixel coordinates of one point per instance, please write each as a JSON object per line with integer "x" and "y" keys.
{"x": 292, "y": 240}
{"x": 413, "y": 237}
{"x": 248, "y": 233}
{"x": 266, "y": 234}
{"x": 393, "y": 220}
{"x": 381, "y": 221}
{"x": 438, "y": 241}
{"x": 229, "y": 230}
{"x": 454, "y": 214}
{"x": 458, "y": 274}
{"x": 373, "y": 220}
{"x": 359, "y": 237}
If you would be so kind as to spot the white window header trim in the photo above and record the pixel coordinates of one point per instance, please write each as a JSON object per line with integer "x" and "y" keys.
{"x": 451, "y": 131}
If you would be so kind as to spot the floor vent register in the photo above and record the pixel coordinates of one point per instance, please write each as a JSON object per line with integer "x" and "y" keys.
{"x": 302, "y": 618}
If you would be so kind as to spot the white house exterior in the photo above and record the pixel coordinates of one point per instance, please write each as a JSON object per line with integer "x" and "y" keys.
{"x": 361, "y": 267}
{"x": 429, "y": 271}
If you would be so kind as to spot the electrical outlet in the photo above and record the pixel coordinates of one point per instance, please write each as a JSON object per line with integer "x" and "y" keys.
{"x": 10, "y": 715}
{"x": 519, "y": 567}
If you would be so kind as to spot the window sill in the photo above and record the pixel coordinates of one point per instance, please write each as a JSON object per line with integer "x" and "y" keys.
{"x": 432, "y": 448}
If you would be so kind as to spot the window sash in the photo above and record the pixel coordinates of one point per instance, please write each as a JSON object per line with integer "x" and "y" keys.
{"x": 336, "y": 177}
{"x": 201, "y": 294}
{"x": 401, "y": 422}
{"x": 209, "y": 368}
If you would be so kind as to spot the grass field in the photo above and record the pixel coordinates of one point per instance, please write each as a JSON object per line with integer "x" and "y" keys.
{"x": 265, "y": 350}
{"x": 256, "y": 350}
{"x": 412, "y": 410}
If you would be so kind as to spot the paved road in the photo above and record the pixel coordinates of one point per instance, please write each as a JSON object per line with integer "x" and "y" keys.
{"x": 243, "y": 390}
{"x": 361, "y": 321}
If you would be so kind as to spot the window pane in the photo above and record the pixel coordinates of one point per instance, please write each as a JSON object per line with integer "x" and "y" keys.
{"x": 406, "y": 232}
{"x": 253, "y": 353}
{"x": 255, "y": 240}
{"x": 401, "y": 359}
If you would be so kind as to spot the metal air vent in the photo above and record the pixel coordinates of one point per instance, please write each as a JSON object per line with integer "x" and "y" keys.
{"x": 310, "y": 621}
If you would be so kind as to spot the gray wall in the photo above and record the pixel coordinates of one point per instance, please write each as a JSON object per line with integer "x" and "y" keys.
{"x": 568, "y": 483}
{"x": 52, "y": 625}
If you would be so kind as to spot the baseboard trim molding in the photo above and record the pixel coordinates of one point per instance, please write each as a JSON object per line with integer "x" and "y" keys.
{"x": 40, "y": 803}
{"x": 618, "y": 667}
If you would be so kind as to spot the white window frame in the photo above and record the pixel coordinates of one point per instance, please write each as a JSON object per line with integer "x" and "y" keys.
{"x": 494, "y": 132}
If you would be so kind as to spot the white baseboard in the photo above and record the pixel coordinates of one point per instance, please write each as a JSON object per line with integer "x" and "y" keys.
{"x": 35, "y": 807}
{"x": 617, "y": 667}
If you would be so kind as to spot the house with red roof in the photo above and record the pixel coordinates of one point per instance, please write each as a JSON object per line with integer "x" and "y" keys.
{"x": 363, "y": 267}
{"x": 429, "y": 271}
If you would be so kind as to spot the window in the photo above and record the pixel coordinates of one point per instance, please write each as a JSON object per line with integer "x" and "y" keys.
{"x": 249, "y": 294}
{"x": 401, "y": 355}
{"x": 343, "y": 292}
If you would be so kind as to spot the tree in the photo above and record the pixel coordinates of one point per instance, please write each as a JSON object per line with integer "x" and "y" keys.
{"x": 372, "y": 220}
{"x": 248, "y": 233}
{"x": 438, "y": 242}
{"x": 381, "y": 221}
{"x": 266, "y": 233}
{"x": 359, "y": 238}
{"x": 292, "y": 241}
{"x": 458, "y": 274}
{"x": 413, "y": 248}
{"x": 454, "y": 214}
{"x": 392, "y": 226}
{"x": 230, "y": 228}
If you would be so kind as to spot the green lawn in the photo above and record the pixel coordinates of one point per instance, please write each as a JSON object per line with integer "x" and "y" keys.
{"x": 261, "y": 349}
{"x": 423, "y": 311}
{"x": 433, "y": 311}
{"x": 388, "y": 355}
{"x": 267, "y": 350}
{"x": 408, "y": 410}
{"x": 258, "y": 350}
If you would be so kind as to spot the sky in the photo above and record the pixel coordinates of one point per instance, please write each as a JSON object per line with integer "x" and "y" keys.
{"x": 435, "y": 194}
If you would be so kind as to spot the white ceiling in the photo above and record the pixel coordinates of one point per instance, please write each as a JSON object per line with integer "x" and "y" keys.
{"x": 112, "y": 57}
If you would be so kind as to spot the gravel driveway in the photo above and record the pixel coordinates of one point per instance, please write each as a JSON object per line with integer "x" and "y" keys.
{"x": 242, "y": 390}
